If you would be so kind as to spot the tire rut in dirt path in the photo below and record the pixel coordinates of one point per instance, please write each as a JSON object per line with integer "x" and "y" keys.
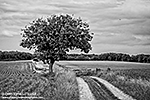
{"x": 116, "y": 92}
{"x": 84, "y": 91}
{"x": 97, "y": 90}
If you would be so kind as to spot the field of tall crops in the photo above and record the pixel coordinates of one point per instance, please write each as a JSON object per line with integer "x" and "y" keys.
{"x": 18, "y": 80}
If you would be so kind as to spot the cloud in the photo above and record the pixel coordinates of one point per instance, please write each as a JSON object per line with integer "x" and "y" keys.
{"x": 9, "y": 33}
{"x": 104, "y": 48}
{"x": 123, "y": 23}
{"x": 139, "y": 7}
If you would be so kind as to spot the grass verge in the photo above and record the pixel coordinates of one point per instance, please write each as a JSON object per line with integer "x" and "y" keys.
{"x": 63, "y": 86}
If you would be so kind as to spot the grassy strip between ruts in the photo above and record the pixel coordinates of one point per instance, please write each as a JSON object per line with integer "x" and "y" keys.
{"x": 107, "y": 90}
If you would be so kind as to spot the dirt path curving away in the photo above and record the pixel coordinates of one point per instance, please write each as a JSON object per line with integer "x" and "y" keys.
{"x": 84, "y": 91}
{"x": 118, "y": 93}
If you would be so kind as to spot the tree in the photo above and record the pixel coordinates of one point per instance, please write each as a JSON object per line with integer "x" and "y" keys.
{"x": 56, "y": 35}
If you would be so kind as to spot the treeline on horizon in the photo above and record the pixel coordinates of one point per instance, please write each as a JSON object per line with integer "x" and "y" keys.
{"x": 142, "y": 58}
{"x": 16, "y": 55}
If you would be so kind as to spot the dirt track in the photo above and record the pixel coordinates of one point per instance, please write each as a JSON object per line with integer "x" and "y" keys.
{"x": 94, "y": 88}
{"x": 117, "y": 93}
{"x": 85, "y": 93}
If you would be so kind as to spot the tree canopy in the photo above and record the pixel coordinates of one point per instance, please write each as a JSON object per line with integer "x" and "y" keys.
{"x": 56, "y": 35}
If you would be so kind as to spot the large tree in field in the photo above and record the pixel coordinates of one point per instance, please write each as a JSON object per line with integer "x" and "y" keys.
{"x": 56, "y": 35}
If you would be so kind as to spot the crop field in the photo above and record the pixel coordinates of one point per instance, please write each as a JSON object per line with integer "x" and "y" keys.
{"x": 18, "y": 80}
{"x": 105, "y": 64}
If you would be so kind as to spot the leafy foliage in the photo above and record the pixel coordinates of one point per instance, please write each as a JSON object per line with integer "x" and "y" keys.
{"x": 56, "y": 35}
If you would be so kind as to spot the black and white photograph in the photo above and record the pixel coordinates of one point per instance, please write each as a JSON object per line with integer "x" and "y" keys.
{"x": 74, "y": 49}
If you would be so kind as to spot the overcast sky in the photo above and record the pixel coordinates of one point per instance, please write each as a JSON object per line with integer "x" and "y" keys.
{"x": 119, "y": 25}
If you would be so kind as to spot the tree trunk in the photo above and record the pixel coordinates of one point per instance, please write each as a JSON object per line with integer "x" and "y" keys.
{"x": 51, "y": 62}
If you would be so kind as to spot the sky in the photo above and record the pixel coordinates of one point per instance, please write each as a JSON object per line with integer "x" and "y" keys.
{"x": 118, "y": 25}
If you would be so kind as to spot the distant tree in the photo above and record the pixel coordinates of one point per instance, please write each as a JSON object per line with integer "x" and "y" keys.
{"x": 56, "y": 35}
{"x": 126, "y": 57}
{"x": 134, "y": 58}
{"x": 140, "y": 57}
{"x": 148, "y": 59}
{"x": 119, "y": 57}
{"x": 144, "y": 59}
{"x": 110, "y": 58}
{"x": 1, "y": 55}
